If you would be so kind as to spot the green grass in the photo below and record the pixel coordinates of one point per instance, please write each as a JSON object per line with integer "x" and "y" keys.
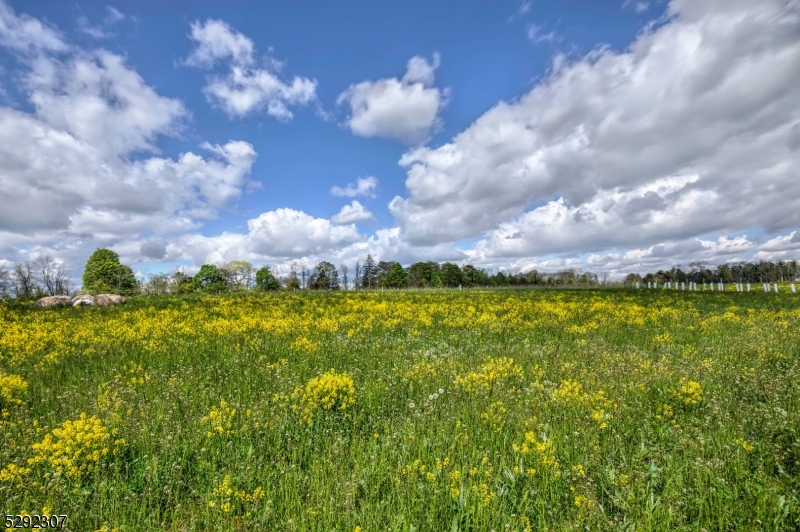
{"x": 603, "y": 383}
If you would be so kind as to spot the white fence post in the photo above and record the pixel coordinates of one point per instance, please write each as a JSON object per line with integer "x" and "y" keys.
{"x": 794, "y": 290}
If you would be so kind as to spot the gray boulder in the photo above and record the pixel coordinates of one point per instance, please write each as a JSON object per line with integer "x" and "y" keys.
{"x": 83, "y": 299}
{"x": 53, "y": 301}
{"x": 107, "y": 300}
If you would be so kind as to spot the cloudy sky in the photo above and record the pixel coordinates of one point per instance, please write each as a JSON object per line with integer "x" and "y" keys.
{"x": 611, "y": 136}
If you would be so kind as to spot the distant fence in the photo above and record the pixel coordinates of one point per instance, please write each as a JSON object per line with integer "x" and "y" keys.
{"x": 720, "y": 287}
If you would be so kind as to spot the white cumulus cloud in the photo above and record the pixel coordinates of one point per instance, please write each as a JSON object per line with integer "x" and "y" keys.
{"x": 364, "y": 186}
{"x": 597, "y": 152}
{"x": 353, "y": 213}
{"x": 69, "y": 180}
{"x": 247, "y": 87}
{"x": 405, "y": 109}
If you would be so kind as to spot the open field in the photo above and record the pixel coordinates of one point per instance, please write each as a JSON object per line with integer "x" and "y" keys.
{"x": 474, "y": 410}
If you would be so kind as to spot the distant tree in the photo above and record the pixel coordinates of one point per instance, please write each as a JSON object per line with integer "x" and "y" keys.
{"x": 473, "y": 276}
{"x": 209, "y": 279}
{"x": 631, "y": 279}
{"x": 381, "y": 271}
{"x": 424, "y": 275}
{"x": 533, "y": 277}
{"x": 104, "y": 273}
{"x": 397, "y": 277}
{"x": 292, "y": 281}
{"x": 724, "y": 274}
{"x": 24, "y": 280}
{"x": 451, "y": 275}
{"x": 357, "y": 279}
{"x": 180, "y": 283}
{"x": 5, "y": 282}
{"x": 343, "y": 270}
{"x": 156, "y": 284}
{"x": 265, "y": 280}
{"x": 369, "y": 274}
{"x": 324, "y": 277}
{"x": 46, "y": 269}
{"x": 239, "y": 274}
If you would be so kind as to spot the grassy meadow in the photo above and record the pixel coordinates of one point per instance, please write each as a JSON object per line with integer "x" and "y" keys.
{"x": 505, "y": 410}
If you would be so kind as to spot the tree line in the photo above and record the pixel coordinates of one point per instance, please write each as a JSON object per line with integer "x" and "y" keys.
{"x": 45, "y": 276}
{"x": 737, "y": 272}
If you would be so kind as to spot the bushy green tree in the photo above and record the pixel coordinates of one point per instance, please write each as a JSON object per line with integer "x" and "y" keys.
{"x": 424, "y": 275}
{"x": 209, "y": 279}
{"x": 104, "y": 273}
{"x": 397, "y": 277}
{"x": 265, "y": 280}
{"x": 451, "y": 275}
{"x": 324, "y": 277}
{"x": 473, "y": 276}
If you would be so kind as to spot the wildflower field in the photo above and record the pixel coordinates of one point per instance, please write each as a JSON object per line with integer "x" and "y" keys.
{"x": 433, "y": 410}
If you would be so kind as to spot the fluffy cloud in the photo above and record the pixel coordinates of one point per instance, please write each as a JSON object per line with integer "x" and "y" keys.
{"x": 247, "y": 87}
{"x": 97, "y": 99}
{"x": 27, "y": 34}
{"x": 404, "y": 109}
{"x": 69, "y": 181}
{"x": 364, "y": 186}
{"x": 274, "y": 236}
{"x": 601, "y": 148}
{"x": 287, "y": 232}
{"x": 353, "y": 213}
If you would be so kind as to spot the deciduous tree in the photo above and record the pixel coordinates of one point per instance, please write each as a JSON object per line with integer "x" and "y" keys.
{"x": 265, "y": 280}
{"x": 104, "y": 273}
{"x": 209, "y": 279}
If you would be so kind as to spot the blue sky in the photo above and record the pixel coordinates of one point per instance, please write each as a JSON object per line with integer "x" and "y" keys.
{"x": 516, "y": 135}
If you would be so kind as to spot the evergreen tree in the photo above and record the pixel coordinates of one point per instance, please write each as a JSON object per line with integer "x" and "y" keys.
{"x": 369, "y": 273}
{"x": 397, "y": 277}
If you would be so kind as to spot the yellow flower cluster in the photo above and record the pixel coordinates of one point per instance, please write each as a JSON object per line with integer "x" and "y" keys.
{"x": 745, "y": 445}
{"x": 571, "y": 393}
{"x": 12, "y": 387}
{"x": 13, "y": 474}
{"x": 689, "y": 392}
{"x": 75, "y": 447}
{"x": 495, "y": 371}
{"x": 428, "y": 369}
{"x": 495, "y": 415}
{"x": 329, "y": 391}
{"x": 226, "y": 497}
{"x": 304, "y": 345}
{"x": 541, "y": 453}
{"x": 220, "y": 420}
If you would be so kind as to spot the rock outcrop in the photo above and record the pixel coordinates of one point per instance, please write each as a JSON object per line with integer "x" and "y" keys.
{"x": 53, "y": 301}
{"x": 109, "y": 299}
{"x": 83, "y": 299}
